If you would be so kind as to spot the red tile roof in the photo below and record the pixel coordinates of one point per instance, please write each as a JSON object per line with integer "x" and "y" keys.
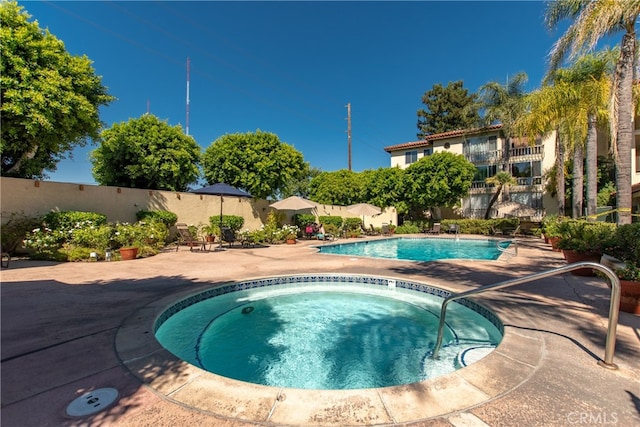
{"x": 444, "y": 135}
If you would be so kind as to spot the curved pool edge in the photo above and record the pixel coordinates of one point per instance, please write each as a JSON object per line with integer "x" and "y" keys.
{"x": 512, "y": 363}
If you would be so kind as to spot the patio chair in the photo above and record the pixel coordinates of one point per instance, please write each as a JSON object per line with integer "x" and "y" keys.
{"x": 386, "y": 231}
{"x": 228, "y": 235}
{"x": 186, "y": 238}
{"x": 435, "y": 229}
{"x": 372, "y": 231}
{"x": 454, "y": 229}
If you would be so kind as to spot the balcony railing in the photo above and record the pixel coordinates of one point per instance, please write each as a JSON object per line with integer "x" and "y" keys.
{"x": 527, "y": 181}
{"x": 535, "y": 152}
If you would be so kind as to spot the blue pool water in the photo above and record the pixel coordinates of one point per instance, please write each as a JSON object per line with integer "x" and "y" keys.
{"x": 324, "y": 335}
{"x": 419, "y": 249}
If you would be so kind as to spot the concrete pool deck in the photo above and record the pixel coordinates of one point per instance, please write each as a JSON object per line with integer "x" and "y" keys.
{"x": 75, "y": 327}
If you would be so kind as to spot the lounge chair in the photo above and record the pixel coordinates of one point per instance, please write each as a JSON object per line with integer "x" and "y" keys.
{"x": 435, "y": 229}
{"x": 386, "y": 231}
{"x": 372, "y": 231}
{"x": 228, "y": 235}
{"x": 186, "y": 238}
{"x": 454, "y": 229}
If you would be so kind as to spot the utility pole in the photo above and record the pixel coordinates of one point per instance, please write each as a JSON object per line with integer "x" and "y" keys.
{"x": 349, "y": 131}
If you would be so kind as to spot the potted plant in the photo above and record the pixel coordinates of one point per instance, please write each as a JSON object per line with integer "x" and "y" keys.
{"x": 584, "y": 241}
{"x": 290, "y": 233}
{"x": 622, "y": 255}
{"x": 210, "y": 231}
{"x": 128, "y": 238}
{"x": 551, "y": 230}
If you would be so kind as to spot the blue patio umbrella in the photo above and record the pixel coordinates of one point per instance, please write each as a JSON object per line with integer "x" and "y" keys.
{"x": 221, "y": 189}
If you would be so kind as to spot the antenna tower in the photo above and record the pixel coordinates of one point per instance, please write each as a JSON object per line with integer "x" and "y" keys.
{"x": 349, "y": 131}
{"x": 188, "y": 69}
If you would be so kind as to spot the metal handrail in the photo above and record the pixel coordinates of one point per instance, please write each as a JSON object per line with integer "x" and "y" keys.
{"x": 613, "y": 305}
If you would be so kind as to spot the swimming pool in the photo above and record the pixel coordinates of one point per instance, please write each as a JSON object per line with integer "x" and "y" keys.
{"x": 420, "y": 248}
{"x": 325, "y": 331}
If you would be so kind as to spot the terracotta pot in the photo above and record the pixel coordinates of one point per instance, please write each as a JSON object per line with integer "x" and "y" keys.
{"x": 291, "y": 241}
{"x": 630, "y": 296}
{"x": 210, "y": 238}
{"x": 573, "y": 256}
{"x": 554, "y": 243}
{"x": 128, "y": 253}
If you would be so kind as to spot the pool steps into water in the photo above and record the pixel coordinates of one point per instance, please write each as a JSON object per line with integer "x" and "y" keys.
{"x": 610, "y": 344}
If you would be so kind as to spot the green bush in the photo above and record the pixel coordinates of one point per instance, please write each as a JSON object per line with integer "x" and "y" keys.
{"x": 625, "y": 243}
{"x": 333, "y": 220}
{"x": 234, "y": 222}
{"x": 584, "y": 236}
{"x": 73, "y": 219}
{"x": 302, "y": 220}
{"x": 407, "y": 229}
{"x": 15, "y": 230}
{"x": 167, "y": 218}
{"x": 94, "y": 238}
{"x": 352, "y": 224}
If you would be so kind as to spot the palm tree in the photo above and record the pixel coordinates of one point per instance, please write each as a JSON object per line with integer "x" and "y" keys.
{"x": 572, "y": 106}
{"x": 593, "y": 19}
{"x": 504, "y": 104}
{"x": 501, "y": 180}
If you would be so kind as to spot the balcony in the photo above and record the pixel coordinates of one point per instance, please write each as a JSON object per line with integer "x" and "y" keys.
{"x": 479, "y": 157}
{"x": 528, "y": 153}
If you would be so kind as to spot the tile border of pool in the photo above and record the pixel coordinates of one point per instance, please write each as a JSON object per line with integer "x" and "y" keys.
{"x": 502, "y": 257}
{"x": 511, "y": 364}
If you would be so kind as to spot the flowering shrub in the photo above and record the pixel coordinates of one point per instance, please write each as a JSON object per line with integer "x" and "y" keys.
{"x": 288, "y": 232}
{"x": 76, "y": 239}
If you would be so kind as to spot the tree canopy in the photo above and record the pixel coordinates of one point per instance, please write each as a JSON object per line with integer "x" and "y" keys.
{"x": 342, "y": 187}
{"x": 50, "y": 98}
{"x": 146, "y": 153}
{"x": 254, "y": 161}
{"x": 439, "y": 180}
{"x": 447, "y": 108}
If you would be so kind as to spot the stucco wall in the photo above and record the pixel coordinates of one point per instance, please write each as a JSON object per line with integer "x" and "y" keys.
{"x": 121, "y": 204}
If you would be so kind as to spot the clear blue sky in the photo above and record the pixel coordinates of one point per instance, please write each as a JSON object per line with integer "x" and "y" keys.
{"x": 291, "y": 67}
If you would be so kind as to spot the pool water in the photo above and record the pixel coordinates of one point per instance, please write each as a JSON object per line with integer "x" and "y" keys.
{"x": 419, "y": 249}
{"x": 324, "y": 335}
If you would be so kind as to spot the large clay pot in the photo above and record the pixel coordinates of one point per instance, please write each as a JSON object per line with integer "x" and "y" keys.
{"x": 630, "y": 296}
{"x": 573, "y": 256}
{"x": 128, "y": 253}
{"x": 291, "y": 241}
{"x": 554, "y": 243}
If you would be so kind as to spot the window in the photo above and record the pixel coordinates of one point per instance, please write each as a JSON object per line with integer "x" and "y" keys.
{"x": 484, "y": 172}
{"x": 427, "y": 152}
{"x": 410, "y": 157}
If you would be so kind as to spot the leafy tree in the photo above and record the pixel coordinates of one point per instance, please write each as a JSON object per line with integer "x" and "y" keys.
{"x": 447, "y": 108}
{"x": 255, "y": 161}
{"x": 439, "y": 180}
{"x": 50, "y": 99}
{"x": 384, "y": 187}
{"x": 146, "y": 153}
{"x": 342, "y": 187}
{"x": 300, "y": 187}
{"x": 500, "y": 180}
{"x": 592, "y": 20}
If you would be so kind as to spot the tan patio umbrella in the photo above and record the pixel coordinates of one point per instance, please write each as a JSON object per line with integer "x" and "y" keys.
{"x": 293, "y": 203}
{"x": 514, "y": 208}
{"x": 364, "y": 209}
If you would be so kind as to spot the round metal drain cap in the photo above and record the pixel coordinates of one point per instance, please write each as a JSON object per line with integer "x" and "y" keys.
{"x": 92, "y": 402}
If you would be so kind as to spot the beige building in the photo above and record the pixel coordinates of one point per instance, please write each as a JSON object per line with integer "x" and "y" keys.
{"x": 528, "y": 162}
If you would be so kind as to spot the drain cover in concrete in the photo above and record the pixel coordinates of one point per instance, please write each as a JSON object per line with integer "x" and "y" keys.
{"x": 92, "y": 402}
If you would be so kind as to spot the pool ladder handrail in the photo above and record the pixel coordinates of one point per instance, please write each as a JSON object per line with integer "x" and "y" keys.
{"x": 610, "y": 344}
